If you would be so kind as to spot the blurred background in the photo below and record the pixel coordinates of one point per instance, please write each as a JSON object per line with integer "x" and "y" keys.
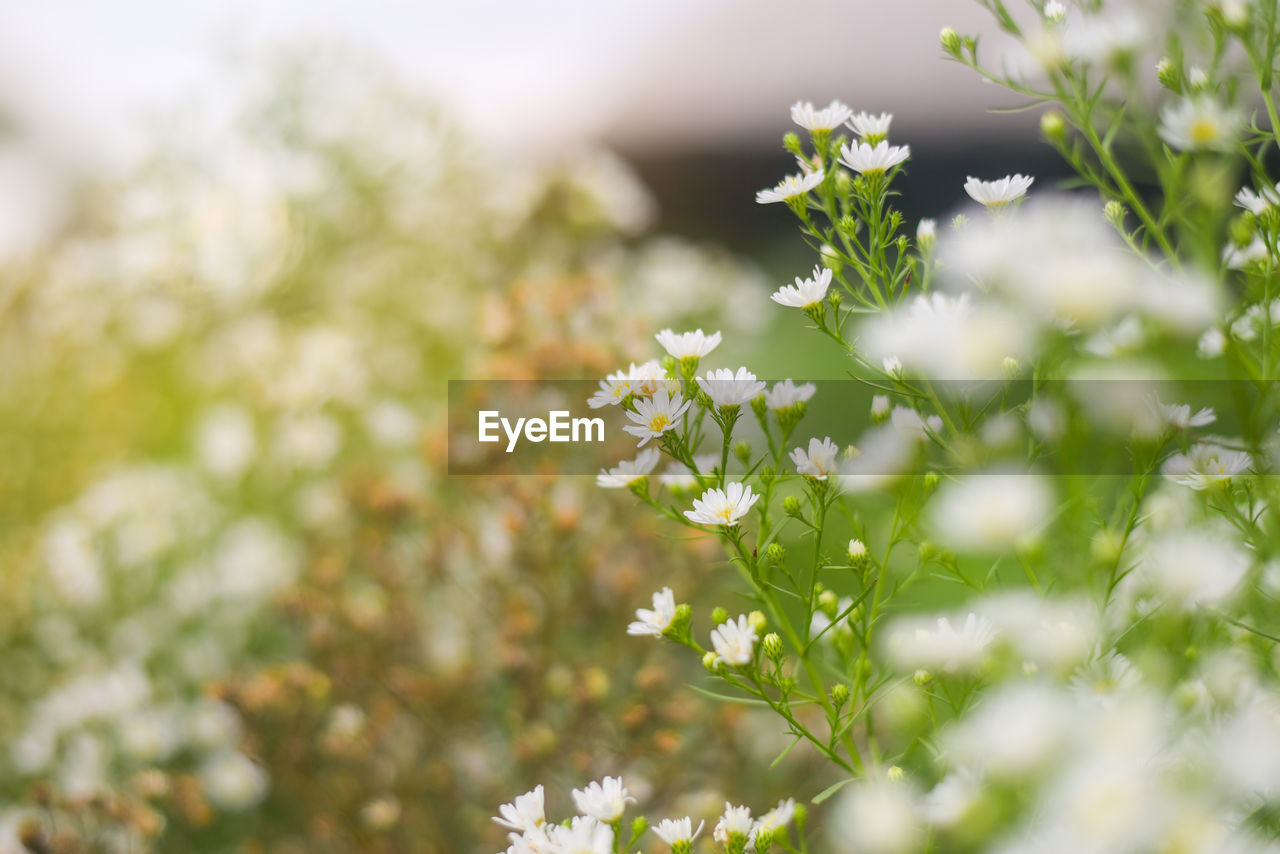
{"x": 243, "y": 246}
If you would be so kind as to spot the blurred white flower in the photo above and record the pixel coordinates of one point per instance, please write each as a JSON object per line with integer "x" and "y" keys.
{"x": 688, "y": 344}
{"x": 736, "y": 821}
{"x": 1206, "y": 465}
{"x": 526, "y": 812}
{"x": 990, "y": 511}
{"x": 628, "y": 471}
{"x": 871, "y": 128}
{"x": 936, "y": 645}
{"x": 1200, "y": 123}
{"x": 786, "y": 394}
{"x": 878, "y": 817}
{"x": 1193, "y": 567}
{"x": 233, "y": 781}
{"x": 725, "y": 388}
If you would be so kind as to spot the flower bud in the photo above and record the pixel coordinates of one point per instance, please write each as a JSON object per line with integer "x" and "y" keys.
{"x": 839, "y": 694}
{"x": 719, "y": 616}
{"x": 638, "y": 826}
{"x": 791, "y": 142}
{"x": 958, "y": 222}
{"x": 775, "y": 552}
{"x": 835, "y": 298}
{"x": 847, "y": 225}
{"x": 710, "y": 662}
{"x": 857, "y": 553}
{"x": 1011, "y": 367}
{"x": 772, "y": 646}
{"x": 1114, "y": 212}
{"x": 1168, "y": 75}
{"x": 922, "y": 677}
{"x": 791, "y": 506}
{"x": 950, "y": 41}
{"x": 763, "y": 840}
{"x": 829, "y": 603}
{"x": 759, "y": 407}
{"x": 895, "y": 774}
{"x": 757, "y": 621}
{"x": 1053, "y": 126}
{"x": 930, "y": 481}
{"x": 926, "y": 551}
{"x": 742, "y": 450}
{"x": 880, "y": 409}
{"x": 1197, "y": 79}
{"x": 926, "y": 234}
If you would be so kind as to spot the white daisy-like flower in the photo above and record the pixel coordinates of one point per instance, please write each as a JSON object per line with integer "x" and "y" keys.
{"x": 828, "y": 118}
{"x": 723, "y": 506}
{"x": 1199, "y": 123}
{"x": 1206, "y": 465}
{"x": 1179, "y": 415}
{"x": 674, "y": 831}
{"x": 991, "y": 511}
{"x": 613, "y": 390}
{"x": 805, "y": 293}
{"x": 871, "y": 128}
{"x": 819, "y": 461}
{"x": 1260, "y": 202}
{"x": 524, "y": 813}
{"x": 873, "y": 160}
{"x": 585, "y": 835}
{"x": 786, "y": 394}
{"x": 779, "y": 816}
{"x": 656, "y": 415}
{"x": 1054, "y": 11}
{"x": 647, "y": 378}
{"x": 734, "y": 642}
{"x": 735, "y": 821}
{"x": 688, "y": 345}
{"x": 725, "y": 388}
{"x": 998, "y": 193}
{"x": 628, "y": 471}
{"x": 658, "y": 620}
{"x": 604, "y": 801}
{"x": 791, "y": 187}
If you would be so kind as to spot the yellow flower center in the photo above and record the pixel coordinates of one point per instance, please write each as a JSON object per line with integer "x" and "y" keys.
{"x": 1204, "y": 131}
{"x": 659, "y": 423}
{"x": 725, "y": 513}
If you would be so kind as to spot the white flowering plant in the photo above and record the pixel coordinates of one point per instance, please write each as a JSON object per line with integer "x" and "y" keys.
{"x": 998, "y": 638}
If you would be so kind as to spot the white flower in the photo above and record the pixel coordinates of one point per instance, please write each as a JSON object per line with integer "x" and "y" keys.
{"x": 604, "y": 801}
{"x": 867, "y": 160}
{"x": 1179, "y": 415}
{"x": 779, "y": 816}
{"x": 869, "y": 127}
{"x": 878, "y": 817}
{"x": 524, "y": 813}
{"x": 613, "y": 390}
{"x": 926, "y": 231}
{"x": 1239, "y": 257}
{"x": 990, "y": 511}
{"x": 736, "y": 821}
{"x": 689, "y": 344}
{"x": 657, "y": 621}
{"x": 880, "y": 407}
{"x": 585, "y": 835}
{"x": 786, "y": 394}
{"x": 629, "y": 471}
{"x": 1205, "y": 465}
{"x": 790, "y": 187}
{"x": 734, "y": 642}
{"x": 937, "y": 645}
{"x": 820, "y": 460}
{"x": 722, "y": 507}
{"x": 947, "y": 337}
{"x": 678, "y": 475}
{"x": 655, "y": 416}
{"x": 805, "y": 292}
{"x": 1199, "y": 123}
{"x": 647, "y": 378}
{"x": 1194, "y": 567}
{"x": 233, "y": 781}
{"x": 725, "y": 388}
{"x": 1260, "y": 202}
{"x": 998, "y": 193}
{"x": 857, "y": 550}
{"x": 828, "y": 118}
{"x": 675, "y": 830}
{"x": 1054, "y": 11}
